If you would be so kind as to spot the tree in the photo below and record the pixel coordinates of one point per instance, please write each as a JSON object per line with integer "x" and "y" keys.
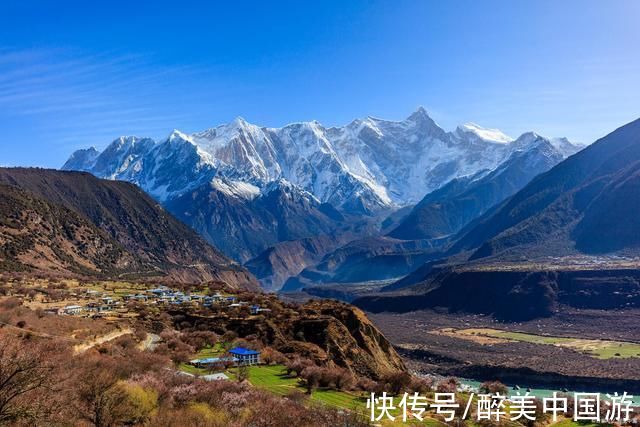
{"x": 297, "y": 365}
{"x": 24, "y": 372}
{"x": 242, "y": 373}
{"x": 141, "y": 402}
{"x": 397, "y": 382}
{"x": 448, "y": 385}
{"x": 271, "y": 356}
{"x": 421, "y": 384}
{"x": 102, "y": 402}
{"x": 339, "y": 378}
{"x": 227, "y": 339}
{"x": 312, "y": 376}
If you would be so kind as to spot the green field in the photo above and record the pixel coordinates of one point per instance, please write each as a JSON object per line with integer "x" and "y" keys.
{"x": 274, "y": 380}
{"x": 601, "y": 349}
{"x": 190, "y": 369}
{"x": 217, "y": 350}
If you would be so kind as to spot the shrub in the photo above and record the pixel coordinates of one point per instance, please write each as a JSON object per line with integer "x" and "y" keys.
{"x": 448, "y": 385}
{"x": 493, "y": 387}
{"x": 397, "y": 382}
{"x": 298, "y": 365}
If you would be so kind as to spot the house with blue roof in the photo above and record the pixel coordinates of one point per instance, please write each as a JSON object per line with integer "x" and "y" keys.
{"x": 245, "y": 356}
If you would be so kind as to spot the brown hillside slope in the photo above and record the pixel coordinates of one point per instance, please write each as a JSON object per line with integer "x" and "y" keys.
{"x": 74, "y": 223}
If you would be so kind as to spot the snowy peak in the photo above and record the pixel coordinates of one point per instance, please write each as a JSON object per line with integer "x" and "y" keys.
{"x": 566, "y": 147}
{"x": 82, "y": 160}
{"x": 421, "y": 116}
{"x": 121, "y": 156}
{"x": 364, "y": 166}
{"x": 177, "y": 136}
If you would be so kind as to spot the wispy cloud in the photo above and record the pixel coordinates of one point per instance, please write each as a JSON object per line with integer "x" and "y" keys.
{"x": 77, "y": 99}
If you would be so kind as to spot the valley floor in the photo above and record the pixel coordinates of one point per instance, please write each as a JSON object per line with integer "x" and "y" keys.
{"x": 574, "y": 349}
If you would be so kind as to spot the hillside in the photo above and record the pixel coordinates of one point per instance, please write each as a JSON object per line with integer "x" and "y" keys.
{"x": 515, "y": 294}
{"x": 585, "y": 204}
{"x": 426, "y": 231}
{"x": 287, "y": 259}
{"x": 243, "y": 227}
{"x": 74, "y": 223}
{"x": 327, "y": 332}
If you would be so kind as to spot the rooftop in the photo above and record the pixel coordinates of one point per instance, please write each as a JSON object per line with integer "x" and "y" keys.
{"x": 211, "y": 360}
{"x": 241, "y": 351}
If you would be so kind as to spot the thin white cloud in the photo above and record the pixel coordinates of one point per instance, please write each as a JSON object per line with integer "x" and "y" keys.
{"x": 78, "y": 99}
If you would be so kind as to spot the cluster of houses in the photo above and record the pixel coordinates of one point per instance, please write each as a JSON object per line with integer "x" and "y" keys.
{"x": 101, "y": 303}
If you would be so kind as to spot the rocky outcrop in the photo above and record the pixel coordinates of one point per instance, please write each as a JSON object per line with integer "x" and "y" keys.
{"x": 350, "y": 339}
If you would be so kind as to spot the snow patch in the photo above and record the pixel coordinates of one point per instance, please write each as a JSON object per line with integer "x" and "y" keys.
{"x": 487, "y": 134}
{"x": 237, "y": 189}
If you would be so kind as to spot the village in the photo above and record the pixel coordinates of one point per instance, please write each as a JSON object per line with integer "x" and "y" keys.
{"x": 112, "y": 304}
{"x": 117, "y": 302}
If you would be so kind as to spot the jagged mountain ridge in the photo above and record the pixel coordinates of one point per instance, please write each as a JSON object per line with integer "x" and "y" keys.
{"x": 244, "y": 227}
{"x": 432, "y": 224}
{"x": 583, "y": 205}
{"x": 361, "y": 167}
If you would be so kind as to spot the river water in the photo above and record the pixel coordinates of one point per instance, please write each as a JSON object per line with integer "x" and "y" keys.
{"x": 472, "y": 385}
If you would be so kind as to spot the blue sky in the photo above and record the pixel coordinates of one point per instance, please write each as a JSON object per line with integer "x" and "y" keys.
{"x": 76, "y": 74}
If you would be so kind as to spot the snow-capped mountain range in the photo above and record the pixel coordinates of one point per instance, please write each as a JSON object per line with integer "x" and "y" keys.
{"x": 364, "y": 166}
